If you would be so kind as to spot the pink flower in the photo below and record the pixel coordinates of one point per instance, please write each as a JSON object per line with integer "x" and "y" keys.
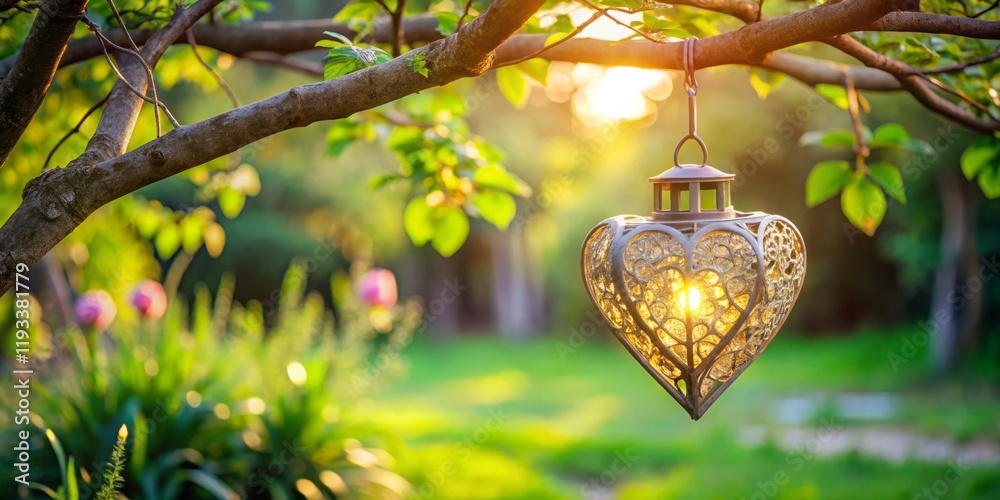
{"x": 149, "y": 299}
{"x": 96, "y": 310}
{"x": 378, "y": 288}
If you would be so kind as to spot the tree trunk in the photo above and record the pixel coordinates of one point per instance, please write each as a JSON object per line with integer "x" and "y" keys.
{"x": 956, "y": 306}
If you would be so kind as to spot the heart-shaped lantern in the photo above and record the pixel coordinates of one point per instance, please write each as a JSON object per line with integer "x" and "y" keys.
{"x": 697, "y": 290}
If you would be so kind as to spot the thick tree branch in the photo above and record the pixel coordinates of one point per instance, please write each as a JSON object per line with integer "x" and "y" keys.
{"x": 59, "y": 200}
{"x": 31, "y": 73}
{"x": 919, "y": 22}
{"x": 122, "y": 110}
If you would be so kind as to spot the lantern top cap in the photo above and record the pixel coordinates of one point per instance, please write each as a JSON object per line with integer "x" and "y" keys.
{"x": 691, "y": 173}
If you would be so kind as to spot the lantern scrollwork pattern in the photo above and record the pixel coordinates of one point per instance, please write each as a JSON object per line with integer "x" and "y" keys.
{"x": 694, "y": 292}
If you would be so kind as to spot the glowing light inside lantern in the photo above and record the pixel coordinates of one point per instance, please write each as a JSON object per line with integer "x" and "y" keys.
{"x": 690, "y": 298}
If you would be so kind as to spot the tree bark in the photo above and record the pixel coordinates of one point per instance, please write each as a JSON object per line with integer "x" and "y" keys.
{"x": 32, "y": 70}
{"x": 57, "y": 201}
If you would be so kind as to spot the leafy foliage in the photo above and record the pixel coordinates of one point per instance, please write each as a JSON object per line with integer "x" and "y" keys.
{"x": 346, "y": 59}
{"x": 453, "y": 173}
{"x": 206, "y": 427}
{"x": 864, "y": 187}
{"x": 982, "y": 161}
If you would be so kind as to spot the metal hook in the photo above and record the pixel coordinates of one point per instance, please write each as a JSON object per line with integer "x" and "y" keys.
{"x": 691, "y": 86}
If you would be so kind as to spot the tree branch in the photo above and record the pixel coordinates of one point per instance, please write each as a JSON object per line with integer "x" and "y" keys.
{"x": 122, "y": 110}
{"x": 280, "y": 37}
{"x": 31, "y": 73}
{"x": 913, "y": 82}
{"x": 921, "y": 22}
{"x": 59, "y": 200}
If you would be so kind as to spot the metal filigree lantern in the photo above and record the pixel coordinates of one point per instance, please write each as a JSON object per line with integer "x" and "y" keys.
{"x": 696, "y": 290}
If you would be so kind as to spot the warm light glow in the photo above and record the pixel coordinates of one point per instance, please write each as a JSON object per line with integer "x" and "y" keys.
{"x": 256, "y": 405}
{"x": 222, "y": 411}
{"x": 308, "y": 489}
{"x": 608, "y": 95}
{"x": 297, "y": 373}
{"x": 193, "y": 399}
{"x": 690, "y": 298}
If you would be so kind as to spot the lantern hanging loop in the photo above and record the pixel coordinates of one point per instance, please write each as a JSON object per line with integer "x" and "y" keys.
{"x": 691, "y": 86}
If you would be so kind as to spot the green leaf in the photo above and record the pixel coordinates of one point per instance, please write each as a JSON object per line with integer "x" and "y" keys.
{"x": 764, "y": 82}
{"x": 562, "y": 24}
{"x": 72, "y": 489}
{"x": 341, "y": 135}
{"x": 60, "y": 454}
{"x": 826, "y": 180}
{"x": 418, "y": 63}
{"x": 330, "y": 43}
{"x": 451, "y": 228}
{"x": 863, "y": 204}
{"x": 981, "y": 154}
{"x": 147, "y": 221}
{"x": 889, "y": 135}
{"x": 167, "y": 241}
{"x": 833, "y": 138}
{"x": 345, "y": 60}
{"x": 833, "y": 93}
{"x": 555, "y": 37}
{"x": 358, "y": 15}
{"x": 495, "y": 207}
{"x": 231, "y": 202}
{"x": 447, "y": 22}
{"x": 888, "y": 177}
{"x": 536, "y": 69}
{"x": 494, "y": 176}
{"x": 405, "y": 138}
{"x": 989, "y": 181}
{"x": 514, "y": 86}
{"x": 191, "y": 232}
{"x": 417, "y": 221}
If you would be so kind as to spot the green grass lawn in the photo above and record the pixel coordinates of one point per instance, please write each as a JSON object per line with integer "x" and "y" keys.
{"x": 488, "y": 418}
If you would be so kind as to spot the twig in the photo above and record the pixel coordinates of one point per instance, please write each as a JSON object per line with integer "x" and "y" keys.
{"x": 138, "y": 54}
{"x": 959, "y": 67}
{"x": 308, "y": 67}
{"x": 760, "y": 10}
{"x": 605, "y": 12}
{"x": 961, "y": 95}
{"x": 860, "y": 149}
{"x": 218, "y": 78}
{"x": 74, "y": 130}
{"x": 155, "y": 101}
{"x": 397, "y": 28}
{"x": 588, "y": 22}
{"x": 121, "y": 24}
{"x": 992, "y": 6}
{"x": 465, "y": 13}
